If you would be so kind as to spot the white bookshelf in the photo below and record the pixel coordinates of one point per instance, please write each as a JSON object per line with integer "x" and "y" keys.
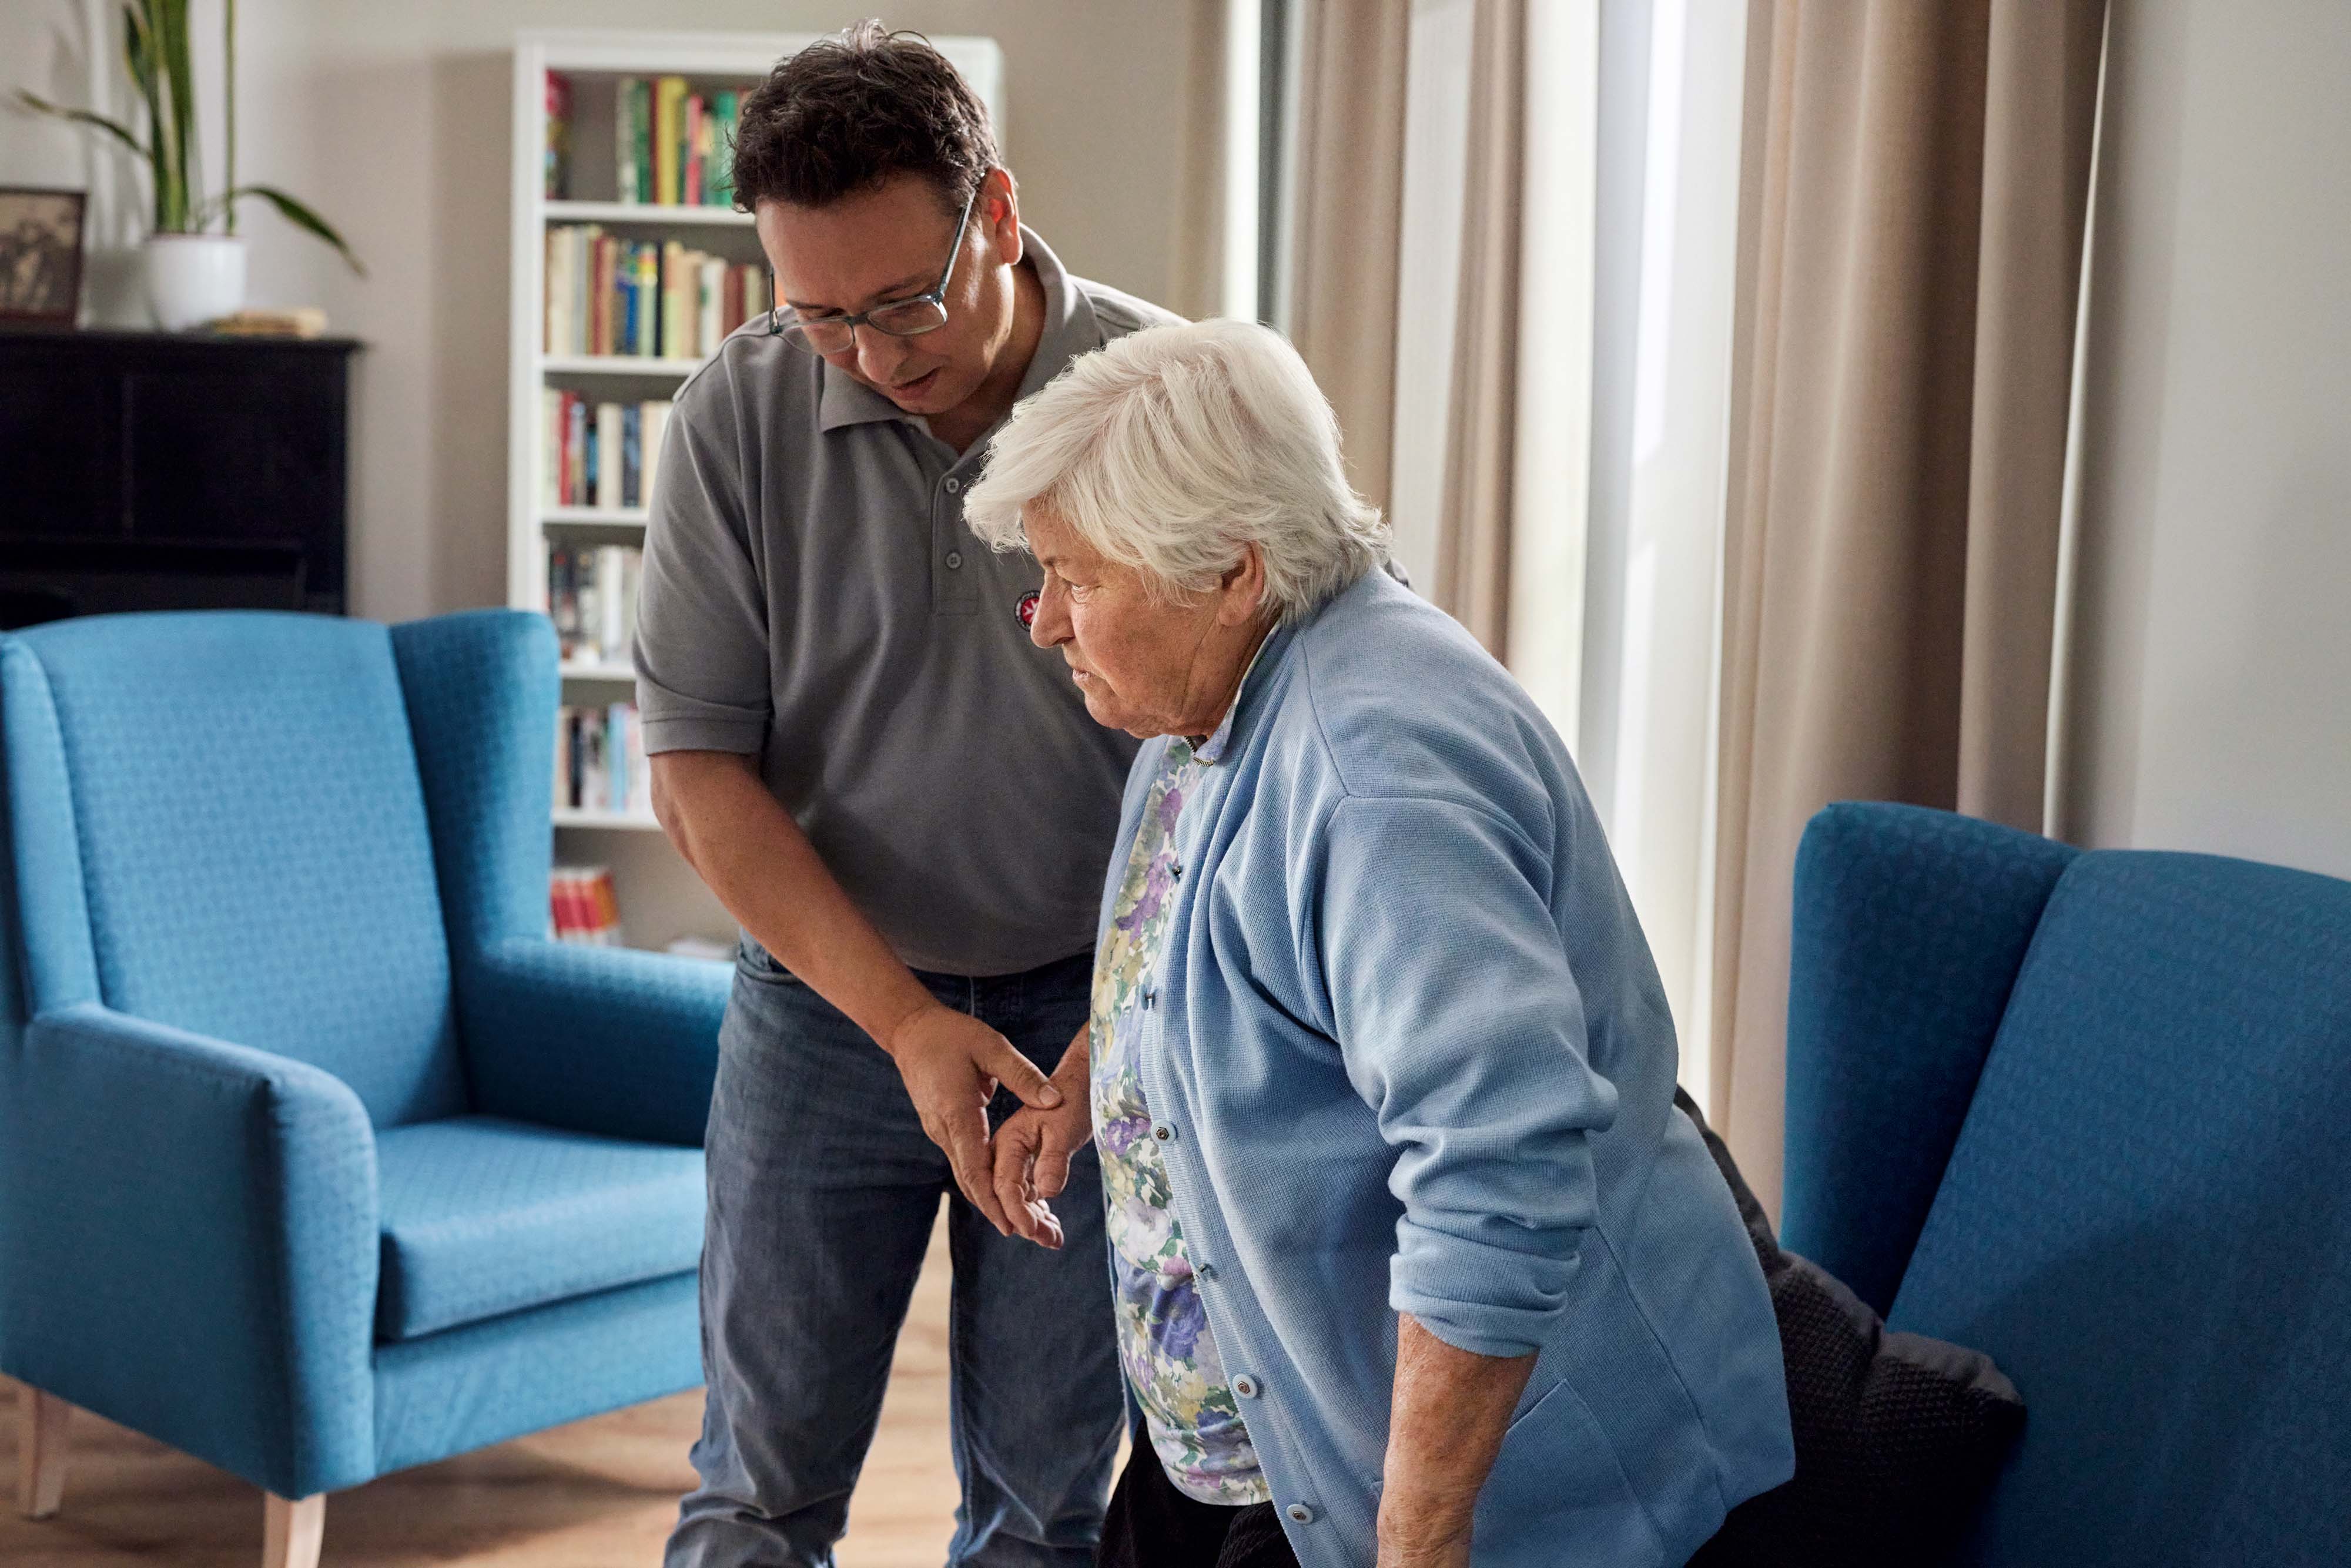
{"x": 659, "y": 897}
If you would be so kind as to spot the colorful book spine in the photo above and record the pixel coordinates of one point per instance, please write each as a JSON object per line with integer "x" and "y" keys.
{"x": 559, "y": 137}
{"x": 583, "y": 906}
{"x": 632, "y": 485}
{"x": 709, "y": 305}
{"x": 655, "y": 419}
{"x": 625, "y": 100}
{"x": 669, "y": 116}
{"x": 690, "y": 150}
{"x": 727, "y": 110}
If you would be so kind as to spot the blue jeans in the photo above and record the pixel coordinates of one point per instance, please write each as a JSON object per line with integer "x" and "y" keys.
{"x": 823, "y": 1190}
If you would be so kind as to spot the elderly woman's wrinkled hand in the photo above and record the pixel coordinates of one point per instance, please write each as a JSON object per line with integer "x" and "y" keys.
{"x": 1033, "y": 1147}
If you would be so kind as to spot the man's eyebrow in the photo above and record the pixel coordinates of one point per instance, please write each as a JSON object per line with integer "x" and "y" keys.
{"x": 906, "y": 287}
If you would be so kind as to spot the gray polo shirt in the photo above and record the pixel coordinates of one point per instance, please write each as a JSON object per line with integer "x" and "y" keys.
{"x": 811, "y": 597}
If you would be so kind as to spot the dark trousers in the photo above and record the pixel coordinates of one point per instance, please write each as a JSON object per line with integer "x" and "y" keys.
{"x": 1153, "y": 1525}
{"x": 823, "y": 1191}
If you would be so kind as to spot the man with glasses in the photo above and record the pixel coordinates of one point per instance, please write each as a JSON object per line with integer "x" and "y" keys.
{"x": 852, "y": 739}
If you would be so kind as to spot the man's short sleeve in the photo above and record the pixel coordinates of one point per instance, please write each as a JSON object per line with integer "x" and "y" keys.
{"x": 702, "y": 613}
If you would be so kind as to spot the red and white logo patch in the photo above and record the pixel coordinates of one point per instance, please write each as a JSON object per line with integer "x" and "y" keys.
{"x": 1026, "y": 611}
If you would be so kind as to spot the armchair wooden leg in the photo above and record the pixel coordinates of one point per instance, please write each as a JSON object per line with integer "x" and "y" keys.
{"x": 41, "y": 1452}
{"x": 292, "y": 1529}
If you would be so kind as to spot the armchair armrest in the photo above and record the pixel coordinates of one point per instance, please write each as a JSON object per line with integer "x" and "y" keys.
{"x": 597, "y": 1040}
{"x": 189, "y": 1242}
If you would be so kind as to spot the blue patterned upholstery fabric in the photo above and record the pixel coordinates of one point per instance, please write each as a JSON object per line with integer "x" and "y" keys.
{"x": 2143, "y": 1217}
{"x": 254, "y": 845}
{"x": 482, "y": 1217}
{"x": 285, "y": 1053}
{"x": 1909, "y": 927}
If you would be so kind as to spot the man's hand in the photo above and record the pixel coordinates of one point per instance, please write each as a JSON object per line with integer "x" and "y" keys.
{"x": 1033, "y": 1148}
{"x": 951, "y": 1064}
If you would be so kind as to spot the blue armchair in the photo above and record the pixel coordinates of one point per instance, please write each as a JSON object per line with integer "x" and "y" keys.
{"x": 2087, "y": 1112}
{"x": 317, "y": 1159}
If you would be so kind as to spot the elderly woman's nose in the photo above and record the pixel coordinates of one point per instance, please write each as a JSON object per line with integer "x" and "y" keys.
{"x": 1051, "y": 628}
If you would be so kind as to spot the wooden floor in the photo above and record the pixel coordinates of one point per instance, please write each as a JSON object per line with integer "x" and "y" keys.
{"x": 596, "y": 1494}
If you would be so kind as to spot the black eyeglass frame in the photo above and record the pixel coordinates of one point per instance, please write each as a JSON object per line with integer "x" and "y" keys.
{"x": 783, "y": 321}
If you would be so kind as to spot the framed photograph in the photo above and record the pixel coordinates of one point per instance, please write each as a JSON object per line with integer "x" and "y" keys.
{"x": 40, "y": 255}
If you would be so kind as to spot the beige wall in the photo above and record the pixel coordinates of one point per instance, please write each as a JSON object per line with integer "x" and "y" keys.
{"x": 394, "y": 119}
{"x": 2210, "y": 707}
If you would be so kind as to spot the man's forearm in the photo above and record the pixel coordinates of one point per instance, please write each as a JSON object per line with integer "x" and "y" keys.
{"x": 1446, "y": 1421}
{"x": 748, "y": 849}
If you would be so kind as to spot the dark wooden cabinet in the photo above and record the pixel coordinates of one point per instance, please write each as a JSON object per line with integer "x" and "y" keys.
{"x": 152, "y": 471}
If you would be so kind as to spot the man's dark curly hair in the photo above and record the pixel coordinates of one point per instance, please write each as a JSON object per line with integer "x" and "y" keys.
{"x": 850, "y": 111}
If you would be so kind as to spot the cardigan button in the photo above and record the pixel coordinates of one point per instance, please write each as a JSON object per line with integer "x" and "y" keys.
{"x": 1246, "y": 1387}
{"x": 1208, "y": 1272}
{"x": 1164, "y": 1132}
{"x": 1299, "y": 1513}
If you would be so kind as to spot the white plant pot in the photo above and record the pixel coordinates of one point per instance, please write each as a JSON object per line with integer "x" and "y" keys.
{"x": 193, "y": 278}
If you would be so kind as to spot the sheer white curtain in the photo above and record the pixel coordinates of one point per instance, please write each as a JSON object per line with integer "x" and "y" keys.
{"x": 1627, "y": 231}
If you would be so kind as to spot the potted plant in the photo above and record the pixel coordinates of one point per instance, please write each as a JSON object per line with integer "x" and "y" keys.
{"x": 193, "y": 261}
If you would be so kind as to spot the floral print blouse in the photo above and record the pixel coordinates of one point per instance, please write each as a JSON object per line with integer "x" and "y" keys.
{"x": 1170, "y": 1356}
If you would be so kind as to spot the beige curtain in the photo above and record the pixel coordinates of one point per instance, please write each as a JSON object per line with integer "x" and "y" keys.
{"x": 1914, "y": 188}
{"x": 1473, "y": 541}
{"x": 1195, "y": 272}
{"x": 1341, "y": 282}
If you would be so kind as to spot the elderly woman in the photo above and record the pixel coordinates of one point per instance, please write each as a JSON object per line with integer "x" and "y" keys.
{"x": 1412, "y": 1259}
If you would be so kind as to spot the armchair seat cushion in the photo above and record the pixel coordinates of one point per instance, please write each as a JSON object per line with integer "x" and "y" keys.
{"x": 482, "y": 1217}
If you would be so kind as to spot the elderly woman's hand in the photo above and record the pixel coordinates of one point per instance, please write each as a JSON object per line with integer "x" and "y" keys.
{"x": 1032, "y": 1150}
{"x": 1447, "y": 1414}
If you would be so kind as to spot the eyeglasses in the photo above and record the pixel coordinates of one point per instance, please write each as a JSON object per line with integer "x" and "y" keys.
{"x": 908, "y": 318}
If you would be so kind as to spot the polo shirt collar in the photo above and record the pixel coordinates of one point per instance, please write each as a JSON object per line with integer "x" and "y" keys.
{"x": 1069, "y": 331}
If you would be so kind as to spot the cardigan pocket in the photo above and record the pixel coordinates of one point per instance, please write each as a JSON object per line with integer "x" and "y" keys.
{"x": 1557, "y": 1494}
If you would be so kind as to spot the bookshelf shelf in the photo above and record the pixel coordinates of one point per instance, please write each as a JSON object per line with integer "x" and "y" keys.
{"x": 617, "y": 365}
{"x": 659, "y": 897}
{"x": 662, "y": 214}
{"x": 624, "y": 822}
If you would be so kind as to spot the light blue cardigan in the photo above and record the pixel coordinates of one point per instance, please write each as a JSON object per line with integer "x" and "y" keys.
{"x": 1408, "y": 1053}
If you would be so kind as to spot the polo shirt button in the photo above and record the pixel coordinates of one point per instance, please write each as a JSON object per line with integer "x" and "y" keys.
{"x": 953, "y": 485}
{"x": 1246, "y": 1387}
{"x": 1164, "y": 1132}
{"x": 1299, "y": 1513}
{"x": 955, "y": 560}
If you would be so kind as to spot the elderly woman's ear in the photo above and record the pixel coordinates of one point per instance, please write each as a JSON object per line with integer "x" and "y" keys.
{"x": 1240, "y": 590}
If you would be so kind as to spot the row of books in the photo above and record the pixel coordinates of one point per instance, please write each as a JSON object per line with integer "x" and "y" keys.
{"x": 603, "y": 455}
{"x": 600, "y": 760}
{"x": 591, "y": 596}
{"x": 644, "y": 298}
{"x": 584, "y": 905}
{"x": 671, "y": 145}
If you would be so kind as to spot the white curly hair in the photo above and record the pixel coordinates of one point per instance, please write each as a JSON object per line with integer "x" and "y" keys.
{"x": 1172, "y": 450}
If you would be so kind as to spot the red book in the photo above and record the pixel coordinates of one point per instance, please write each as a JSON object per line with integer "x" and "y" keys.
{"x": 692, "y": 162}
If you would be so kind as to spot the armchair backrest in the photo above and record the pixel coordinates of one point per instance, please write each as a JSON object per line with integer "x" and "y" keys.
{"x": 2144, "y": 1216}
{"x": 217, "y": 820}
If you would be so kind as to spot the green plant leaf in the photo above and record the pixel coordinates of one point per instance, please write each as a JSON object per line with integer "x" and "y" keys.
{"x": 170, "y": 19}
{"x": 139, "y": 59}
{"x": 301, "y": 217}
{"x": 114, "y": 128}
